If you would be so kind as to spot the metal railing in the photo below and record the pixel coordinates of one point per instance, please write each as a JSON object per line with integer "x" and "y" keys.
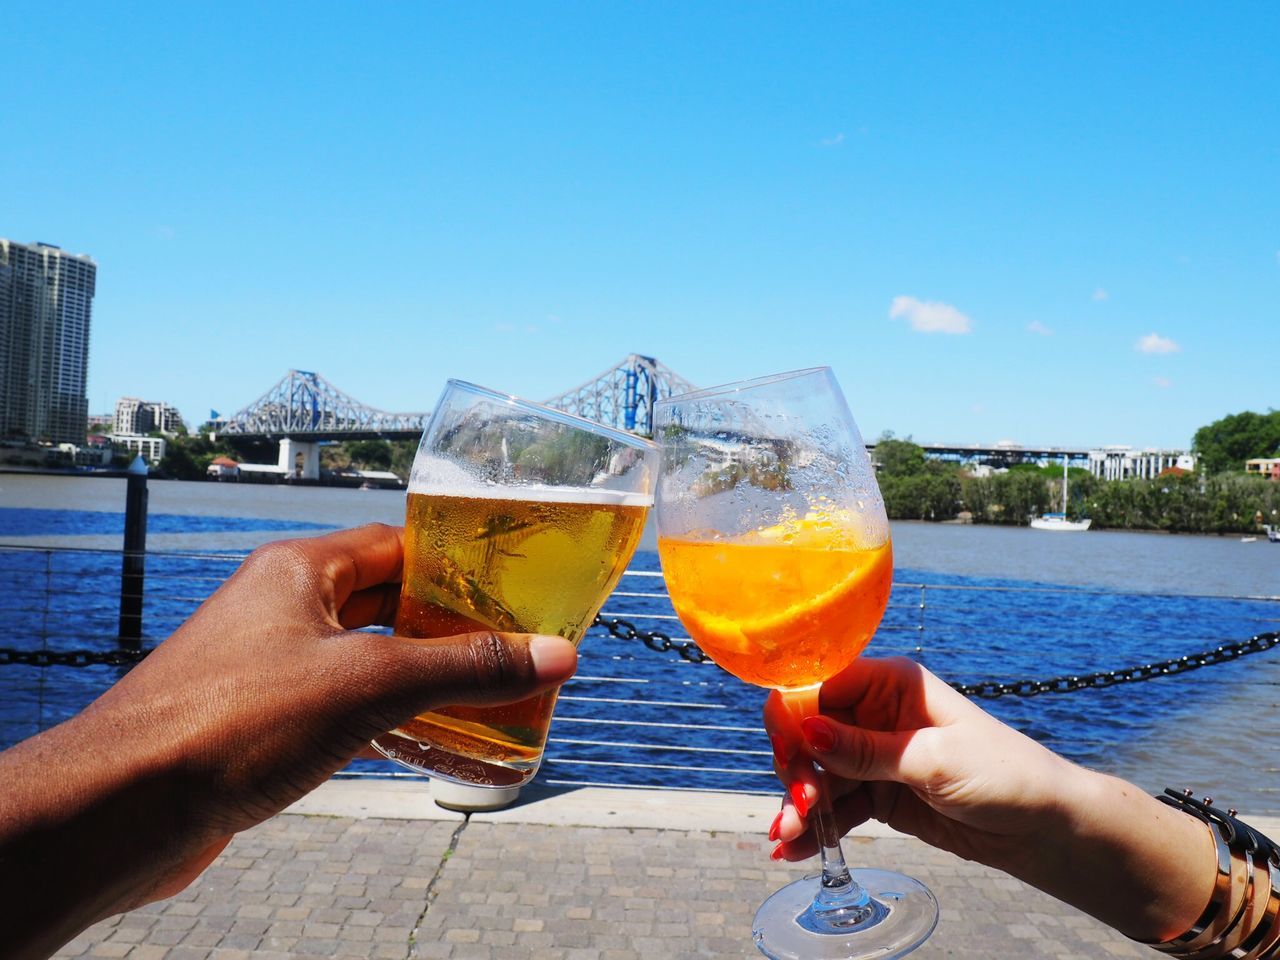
{"x": 640, "y": 717}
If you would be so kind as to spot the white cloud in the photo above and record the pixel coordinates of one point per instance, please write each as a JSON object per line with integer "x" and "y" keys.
{"x": 833, "y": 141}
{"x": 930, "y": 316}
{"x": 1035, "y": 326}
{"x": 1154, "y": 343}
{"x": 1164, "y": 383}
{"x": 1100, "y": 294}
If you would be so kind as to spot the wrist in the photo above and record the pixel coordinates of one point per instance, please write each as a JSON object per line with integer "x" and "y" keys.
{"x": 80, "y": 837}
{"x": 1136, "y": 864}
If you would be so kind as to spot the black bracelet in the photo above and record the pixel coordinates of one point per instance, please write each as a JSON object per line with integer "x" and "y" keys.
{"x": 1238, "y": 834}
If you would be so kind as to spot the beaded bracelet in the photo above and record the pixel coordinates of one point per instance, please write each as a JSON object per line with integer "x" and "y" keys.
{"x": 1245, "y": 859}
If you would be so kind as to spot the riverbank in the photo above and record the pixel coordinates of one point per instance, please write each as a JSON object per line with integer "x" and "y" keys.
{"x": 1219, "y": 500}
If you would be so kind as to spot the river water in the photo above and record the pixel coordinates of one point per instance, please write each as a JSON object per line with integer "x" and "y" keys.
{"x": 972, "y": 603}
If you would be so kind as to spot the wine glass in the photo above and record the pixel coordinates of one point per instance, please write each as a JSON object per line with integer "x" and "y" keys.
{"x": 775, "y": 548}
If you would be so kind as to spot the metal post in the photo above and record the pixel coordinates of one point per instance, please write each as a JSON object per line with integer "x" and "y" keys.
{"x": 133, "y": 567}
{"x": 630, "y": 401}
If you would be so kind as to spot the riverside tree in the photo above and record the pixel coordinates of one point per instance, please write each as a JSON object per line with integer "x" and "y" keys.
{"x": 913, "y": 487}
{"x": 1227, "y": 443}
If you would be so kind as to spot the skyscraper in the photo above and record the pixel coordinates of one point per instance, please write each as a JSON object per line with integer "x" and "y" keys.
{"x": 45, "y": 300}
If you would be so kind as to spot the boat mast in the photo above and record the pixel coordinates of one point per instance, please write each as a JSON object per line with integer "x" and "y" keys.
{"x": 1064, "y": 486}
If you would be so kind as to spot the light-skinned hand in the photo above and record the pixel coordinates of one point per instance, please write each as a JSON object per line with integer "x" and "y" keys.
{"x": 900, "y": 746}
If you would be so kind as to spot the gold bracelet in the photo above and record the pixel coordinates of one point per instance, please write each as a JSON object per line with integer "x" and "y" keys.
{"x": 1271, "y": 951}
{"x": 1270, "y": 947}
{"x": 1246, "y": 923}
{"x": 1268, "y": 929}
{"x": 1202, "y": 931}
{"x": 1217, "y": 947}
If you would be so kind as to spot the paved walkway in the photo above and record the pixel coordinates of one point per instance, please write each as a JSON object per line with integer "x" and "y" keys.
{"x": 378, "y": 871}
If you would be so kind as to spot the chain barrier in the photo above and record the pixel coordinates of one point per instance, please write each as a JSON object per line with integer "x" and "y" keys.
{"x": 655, "y": 640}
{"x": 1259, "y": 643}
{"x": 994, "y": 689}
{"x": 70, "y": 658}
{"x": 660, "y": 642}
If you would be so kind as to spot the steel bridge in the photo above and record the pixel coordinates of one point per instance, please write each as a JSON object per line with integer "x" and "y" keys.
{"x": 304, "y": 409}
{"x": 303, "y": 405}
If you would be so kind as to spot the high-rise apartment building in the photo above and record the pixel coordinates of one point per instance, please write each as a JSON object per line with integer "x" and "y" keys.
{"x": 134, "y": 416}
{"x": 46, "y": 297}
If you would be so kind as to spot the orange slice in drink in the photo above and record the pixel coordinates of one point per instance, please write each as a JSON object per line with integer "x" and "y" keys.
{"x": 785, "y": 607}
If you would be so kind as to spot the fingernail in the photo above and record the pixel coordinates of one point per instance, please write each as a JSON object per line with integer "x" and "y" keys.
{"x": 777, "y": 853}
{"x": 777, "y": 825}
{"x": 554, "y": 658}
{"x": 818, "y": 733}
{"x": 780, "y": 756}
{"x": 799, "y": 799}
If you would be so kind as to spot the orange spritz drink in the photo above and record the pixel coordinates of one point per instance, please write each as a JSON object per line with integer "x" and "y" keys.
{"x": 786, "y": 607}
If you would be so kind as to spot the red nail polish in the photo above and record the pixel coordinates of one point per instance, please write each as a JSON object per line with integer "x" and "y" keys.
{"x": 818, "y": 733}
{"x": 799, "y": 799}
{"x": 777, "y": 853}
{"x": 780, "y": 755}
{"x": 777, "y": 825}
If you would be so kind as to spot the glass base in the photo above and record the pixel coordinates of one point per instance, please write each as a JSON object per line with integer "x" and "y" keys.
{"x": 443, "y": 765}
{"x": 470, "y": 797}
{"x": 897, "y": 916}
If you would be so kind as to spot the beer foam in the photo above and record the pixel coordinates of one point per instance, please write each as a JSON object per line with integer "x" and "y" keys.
{"x": 443, "y": 479}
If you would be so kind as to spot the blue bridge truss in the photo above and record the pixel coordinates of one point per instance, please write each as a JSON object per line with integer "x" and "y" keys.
{"x": 305, "y": 406}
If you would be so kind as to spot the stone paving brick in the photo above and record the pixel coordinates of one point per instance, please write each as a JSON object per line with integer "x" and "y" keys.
{"x": 187, "y": 953}
{"x": 305, "y": 888}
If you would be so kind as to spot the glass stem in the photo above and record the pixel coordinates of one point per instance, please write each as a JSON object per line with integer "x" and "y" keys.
{"x": 838, "y": 891}
{"x": 840, "y": 899}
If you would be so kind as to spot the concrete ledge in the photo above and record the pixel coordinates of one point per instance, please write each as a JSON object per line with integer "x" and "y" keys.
{"x": 700, "y": 811}
{"x": 703, "y": 811}
{"x": 389, "y": 799}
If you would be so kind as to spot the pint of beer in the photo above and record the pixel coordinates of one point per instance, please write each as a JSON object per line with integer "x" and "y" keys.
{"x": 520, "y": 519}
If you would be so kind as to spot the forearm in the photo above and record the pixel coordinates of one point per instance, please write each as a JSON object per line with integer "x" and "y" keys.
{"x": 80, "y": 838}
{"x": 1126, "y": 858}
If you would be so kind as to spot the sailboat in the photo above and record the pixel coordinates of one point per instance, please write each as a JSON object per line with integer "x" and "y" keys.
{"x": 1059, "y": 521}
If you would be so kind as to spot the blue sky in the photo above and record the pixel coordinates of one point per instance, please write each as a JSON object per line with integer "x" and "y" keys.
{"x": 1053, "y": 224}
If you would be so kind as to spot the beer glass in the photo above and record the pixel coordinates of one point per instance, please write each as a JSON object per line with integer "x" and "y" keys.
{"x": 521, "y": 519}
{"x": 775, "y": 548}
